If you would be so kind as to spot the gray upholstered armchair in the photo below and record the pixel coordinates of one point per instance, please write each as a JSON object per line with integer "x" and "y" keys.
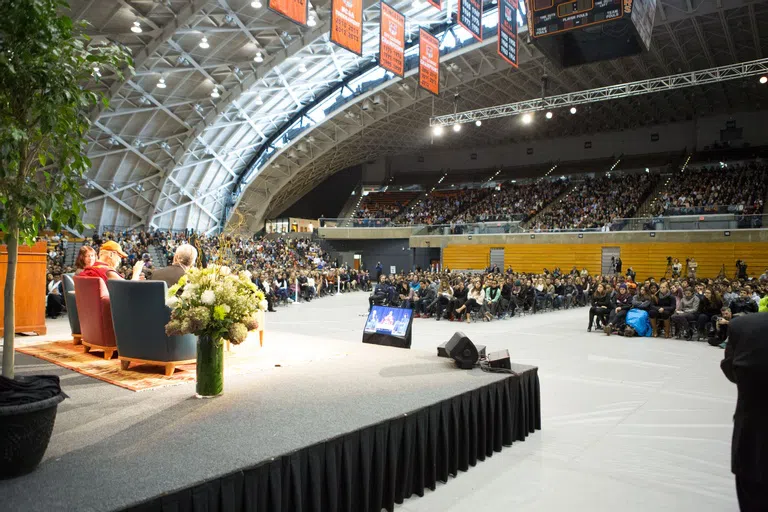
{"x": 139, "y": 315}
{"x": 69, "y": 300}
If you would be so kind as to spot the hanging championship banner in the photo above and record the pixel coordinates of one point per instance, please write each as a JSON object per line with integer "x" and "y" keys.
{"x": 295, "y": 10}
{"x": 392, "y": 40}
{"x": 429, "y": 62}
{"x": 471, "y": 17}
{"x": 436, "y": 3}
{"x": 347, "y": 24}
{"x": 507, "y": 43}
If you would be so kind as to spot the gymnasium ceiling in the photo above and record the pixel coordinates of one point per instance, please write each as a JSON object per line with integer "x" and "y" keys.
{"x": 176, "y": 157}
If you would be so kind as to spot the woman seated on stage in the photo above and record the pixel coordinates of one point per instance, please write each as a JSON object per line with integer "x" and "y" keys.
{"x": 475, "y": 299}
{"x": 85, "y": 258}
{"x": 601, "y": 306}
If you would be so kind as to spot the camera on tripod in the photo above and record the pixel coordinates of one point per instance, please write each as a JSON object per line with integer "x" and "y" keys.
{"x": 669, "y": 260}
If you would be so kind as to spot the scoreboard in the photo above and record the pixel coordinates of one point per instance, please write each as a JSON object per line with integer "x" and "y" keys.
{"x": 570, "y": 32}
{"x": 555, "y": 16}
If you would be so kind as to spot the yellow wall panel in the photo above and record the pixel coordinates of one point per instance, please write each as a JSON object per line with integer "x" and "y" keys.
{"x": 647, "y": 259}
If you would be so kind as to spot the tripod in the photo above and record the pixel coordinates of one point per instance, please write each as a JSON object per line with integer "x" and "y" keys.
{"x": 669, "y": 270}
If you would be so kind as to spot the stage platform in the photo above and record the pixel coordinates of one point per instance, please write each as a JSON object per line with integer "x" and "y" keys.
{"x": 357, "y": 428}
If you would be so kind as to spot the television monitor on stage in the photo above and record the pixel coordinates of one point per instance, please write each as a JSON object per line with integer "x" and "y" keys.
{"x": 388, "y": 326}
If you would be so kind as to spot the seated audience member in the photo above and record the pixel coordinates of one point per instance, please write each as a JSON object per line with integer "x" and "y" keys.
{"x": 710, "y": 305}
{"x": 459, "y": 296}
{"x": 444, "y": 297}
{"x": 642, "y": 300}
{"x": 744, "y": 304}
{"x": 110, "y": 256}
{"x": 721, "y": 323}
{"x": 380, "y": 293}
{"x": 492, "y": 300}
{"x": 183, "y": 259}
{"x": 601, "y": 305}
{"x": 475, "y": 298}
{"x": 661, "y": 310}
{"x": 86, "y": 257}
{"x": 54, "y": 300}
{"x": 621, "y": 306}
{"x": 426, "y": 300}
{"x": 687, "y": 313}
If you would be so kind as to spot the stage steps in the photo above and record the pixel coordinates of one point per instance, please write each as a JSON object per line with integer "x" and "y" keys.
{"x": 158, "y": 258}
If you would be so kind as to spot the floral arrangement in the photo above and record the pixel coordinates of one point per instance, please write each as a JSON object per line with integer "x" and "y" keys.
{"x": 214, "y": 302}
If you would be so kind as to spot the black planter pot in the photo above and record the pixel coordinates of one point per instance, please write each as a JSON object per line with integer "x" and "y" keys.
{"x": 25, "y": 430}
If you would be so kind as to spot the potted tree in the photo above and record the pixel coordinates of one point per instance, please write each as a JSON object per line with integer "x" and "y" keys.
{"x": 46, "y": 65}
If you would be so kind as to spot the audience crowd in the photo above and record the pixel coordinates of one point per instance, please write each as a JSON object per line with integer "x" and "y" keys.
{"x": 522, "y": 201}
{"x": 442, "y": 206}
{"x": 597, "y": 203}
{"x": 685, "y": 307}
{"x": 720, "y": 189}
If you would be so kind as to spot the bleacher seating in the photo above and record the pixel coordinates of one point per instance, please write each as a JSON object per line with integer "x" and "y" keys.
{"x": 720, "y": 188}
{"x": 383, "y": 205}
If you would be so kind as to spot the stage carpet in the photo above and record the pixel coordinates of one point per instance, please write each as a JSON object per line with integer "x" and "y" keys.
{"x": 356, "y": 433}
{"x": 240, "y": 360}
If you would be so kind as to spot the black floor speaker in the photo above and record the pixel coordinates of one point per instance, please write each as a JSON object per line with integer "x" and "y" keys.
{"x": 462, "y": 350}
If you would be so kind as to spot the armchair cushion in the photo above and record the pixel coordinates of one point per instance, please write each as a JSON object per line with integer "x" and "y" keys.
{"x": 139, "y": 314}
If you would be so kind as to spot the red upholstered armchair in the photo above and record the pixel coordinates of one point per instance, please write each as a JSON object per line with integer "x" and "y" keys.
{"x": 95, "y": 312}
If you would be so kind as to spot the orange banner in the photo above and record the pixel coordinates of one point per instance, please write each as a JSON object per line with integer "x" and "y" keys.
{"x": 392, "y": 40}
{"x": 347, "y": 24}
{"x": 429, "y": 62}
{"x": 295, "y": 10}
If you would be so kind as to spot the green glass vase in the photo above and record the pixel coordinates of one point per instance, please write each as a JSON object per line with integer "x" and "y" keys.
{"x": 210, "y": 367}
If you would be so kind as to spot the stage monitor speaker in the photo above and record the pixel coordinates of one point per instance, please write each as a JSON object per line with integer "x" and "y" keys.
{"x": 441, "y": 352}
{"x": 462, "y": 351}
{"x": 499, "y": 359}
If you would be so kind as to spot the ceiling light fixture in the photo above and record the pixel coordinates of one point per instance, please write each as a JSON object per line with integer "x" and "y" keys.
{"x": 302, "y": 68}
{"x": 259, "y": 57}
{"x": 204, "y": 43}
{"x": 136, "y": 28}
{"x": 478, "y": 123}
{"x": 259, "y": 101}
{"x": 311, "y": 22}
{"x": 437, "y": 130}
{"x": 161, "y": 83}
{"x": 256, "y": 4}
{"x": 573, "y": 110}
{"x": 457, "y": 127}
{"x": 764, "y": 79}
{"x": 548, "y": 115}
{"x": 215, "y": 92}
{"x": 527, "y": 118}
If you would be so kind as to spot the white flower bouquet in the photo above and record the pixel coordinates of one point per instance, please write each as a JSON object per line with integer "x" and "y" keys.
{"x": 216, "y": 303}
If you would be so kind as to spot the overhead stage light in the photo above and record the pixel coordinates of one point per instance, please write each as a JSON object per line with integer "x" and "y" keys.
{"x": 437, "y": 130}
{"x": 763, "y": 79}
{"x": 259, "y": 57}
{"x": 527, "y": 118}
{"x": 215, "y": 92}
{"x": 136, "y": 28}
{"x": 161, "y": 83}
{"x": 256, "y": 4}
{"x": 204, "y": 43}
{"x": 457, "y": 127}
{"x": 548, "y": 115}
{"x": 478, "y": 123}
{"x": 302, "y": 68}
{"x": 573, "y": 110}
{"x": 311, "y": 22}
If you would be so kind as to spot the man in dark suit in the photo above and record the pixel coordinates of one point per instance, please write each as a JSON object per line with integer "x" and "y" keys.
{"x": 183, "y": 259}
{"x": 746, "y": 364}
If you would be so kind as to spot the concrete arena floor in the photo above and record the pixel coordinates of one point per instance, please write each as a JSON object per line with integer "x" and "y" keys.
{"x": 627, "y": 424}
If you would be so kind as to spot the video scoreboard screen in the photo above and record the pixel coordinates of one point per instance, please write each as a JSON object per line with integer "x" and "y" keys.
{"x": 556, "y": 16}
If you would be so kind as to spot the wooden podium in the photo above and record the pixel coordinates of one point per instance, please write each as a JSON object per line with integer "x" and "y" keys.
{"x": 30, "y": 287}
